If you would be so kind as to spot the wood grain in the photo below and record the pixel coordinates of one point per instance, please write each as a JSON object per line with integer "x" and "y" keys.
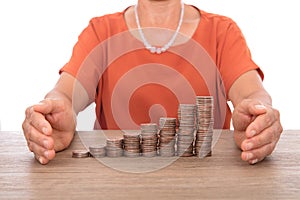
{"x": 222, "y": 176}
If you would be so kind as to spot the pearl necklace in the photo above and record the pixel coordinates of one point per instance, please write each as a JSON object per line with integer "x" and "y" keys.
{"x": 164, "y": 48}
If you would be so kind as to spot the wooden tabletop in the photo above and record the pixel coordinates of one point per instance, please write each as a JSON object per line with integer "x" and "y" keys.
{"x": 222, "y": 176}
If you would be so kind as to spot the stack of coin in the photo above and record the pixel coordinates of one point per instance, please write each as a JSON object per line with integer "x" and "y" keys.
{"x": 167, "y": 136}
{"x": 205, "y": 123}
{"x": 114, "y": 147}
{"x": 149, "y": 139}
{"x": 186, "y": 129}
{"x": 80, "y": 153}
{"x": 131, "y": 144}
{"x": 97, "y": 151}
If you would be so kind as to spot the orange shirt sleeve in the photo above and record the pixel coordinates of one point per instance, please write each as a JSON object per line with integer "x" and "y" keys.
{"x": 85, "y": 62}
{"x": 233, "y": 55}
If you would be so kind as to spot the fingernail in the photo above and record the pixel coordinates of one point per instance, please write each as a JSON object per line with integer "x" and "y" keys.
{"x": 46, "y": 154}
{"x": 46, "y": 144}
{"x": 254, "y": 161}
{"x": 45, "y": 130}
{"x": 248, "y": 146}
{"x": 252, "y": 133}
{"x": 41, "y": 160}
{"x": 260, "y": 107}
{"x": 249, "y": 156}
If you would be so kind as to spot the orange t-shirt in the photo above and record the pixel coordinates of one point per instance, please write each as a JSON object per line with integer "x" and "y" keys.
{"x": 131, "y": 86}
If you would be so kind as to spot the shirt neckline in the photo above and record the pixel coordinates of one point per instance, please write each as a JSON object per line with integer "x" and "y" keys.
{"x": 193, "y": 37}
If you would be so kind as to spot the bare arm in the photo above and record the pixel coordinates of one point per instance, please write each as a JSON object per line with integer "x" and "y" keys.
{"x": 257, "y": 126}
{"x": 49, "y": 125}
{"x": 247, "y": 86}
{"x": 70, "y": 89}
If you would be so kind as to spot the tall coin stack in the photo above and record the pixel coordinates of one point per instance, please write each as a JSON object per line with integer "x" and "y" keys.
{"x": 167, "y": 136}
{"x": 205, "y": 124}
{"x": 185, "y": 134}
{"x": 149, "y": 139}
{"x": 131, "y": 144}
{"x": 114, "y": 147}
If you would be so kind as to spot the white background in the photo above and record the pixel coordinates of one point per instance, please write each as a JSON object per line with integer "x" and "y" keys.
{"x": 37, "y": 37}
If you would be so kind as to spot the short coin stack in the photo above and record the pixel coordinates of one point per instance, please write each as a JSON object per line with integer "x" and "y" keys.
{"x": 80, "y": 154}
{"x": 132, "y": 144}
{"x": 205, "y": 123}
{"x": 185, "y": 134}
{"x": 167, "y": 136}
{"x": 114, "y": 147}
{"x": 149, "y": 139}
{"x": 98, "y": 151}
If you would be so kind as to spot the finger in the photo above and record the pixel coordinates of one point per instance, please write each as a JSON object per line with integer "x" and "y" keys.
{"x": 26, "y": 128}
{"x": 250, "y": 107}
{"x": 258, "y": 154}
{"x": 38, "y": 142}
{"x": 48, "y": 106}
{"x": 265, "y": 137}
{"x": 41, "y": 159}
{"x": 252, "y": 162}
{"x": 54, "y": 110}
{"x": 40, "y": 139}
{"x": 38, "y": 121}
{"x": 246, "y": 112}
{"x": 41, "y": 152}
{"x": 261, "y": 122}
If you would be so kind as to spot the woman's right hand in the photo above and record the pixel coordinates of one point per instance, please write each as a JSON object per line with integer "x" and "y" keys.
{"x": 49, "y": 127}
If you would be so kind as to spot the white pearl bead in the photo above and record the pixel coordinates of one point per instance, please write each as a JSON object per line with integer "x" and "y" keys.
{"x": 158, "y": 50}
{"x": 152, "y": 49}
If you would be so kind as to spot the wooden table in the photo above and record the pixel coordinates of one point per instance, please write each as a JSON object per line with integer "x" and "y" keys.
{"x": 222, "y": 176}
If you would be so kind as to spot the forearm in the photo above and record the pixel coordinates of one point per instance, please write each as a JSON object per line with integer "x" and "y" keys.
{"x": 59, "y": 95}
{"x": 249, "y": 86}
{"x": 71, "y": 92}
{"x": 262, "y": 96}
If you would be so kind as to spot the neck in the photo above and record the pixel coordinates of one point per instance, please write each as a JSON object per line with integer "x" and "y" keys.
{"x": 159, "y": 13}
{"x": 154, "y": 49}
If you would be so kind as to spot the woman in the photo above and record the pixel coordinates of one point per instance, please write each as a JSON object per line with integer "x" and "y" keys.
{"x": 172, "y": 43}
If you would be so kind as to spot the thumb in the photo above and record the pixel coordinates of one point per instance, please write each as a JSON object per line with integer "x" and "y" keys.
{"x": 246, "y": 112}
{"x": 48, "y": 106}
{"x": 252, "y": 108}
